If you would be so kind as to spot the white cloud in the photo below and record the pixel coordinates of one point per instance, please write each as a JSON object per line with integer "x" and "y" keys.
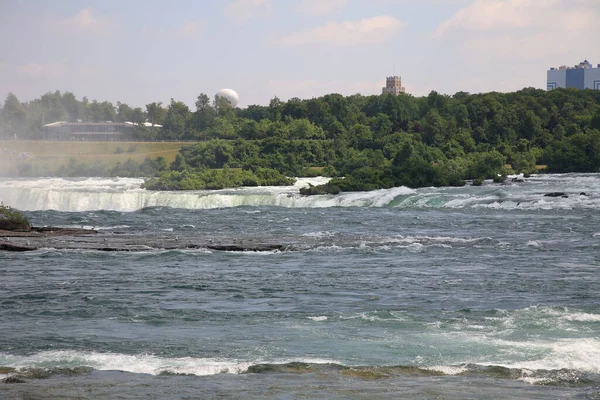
{"x": 48, "y": 70}
{"x": 86, "y": 22}
{"x": 512, "y": 30}
{"x": 190, "y": 30}
{"x": 484, "y": 15}
{"x": 240, "y": 11}
{"x": 320, "y": 7}
{"x": 366, "y": 31}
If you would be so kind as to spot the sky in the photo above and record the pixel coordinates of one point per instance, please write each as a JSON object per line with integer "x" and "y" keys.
{"x": 141, "y": 51}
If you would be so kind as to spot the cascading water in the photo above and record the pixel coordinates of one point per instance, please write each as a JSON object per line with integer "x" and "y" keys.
{"x": 125, "y": 194}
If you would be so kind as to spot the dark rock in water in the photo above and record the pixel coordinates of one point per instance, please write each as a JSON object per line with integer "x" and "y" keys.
{"x": 518, "y": 180}
{"x": 6, "y": 246}
{"x": 13, "y": 379}
{"x": 555, "y": 194}
{"x": 63, "y": 231}
{"x": 582, "y": 194}
{"x": 81, "y": 239}
{"x": 258, "y": 247}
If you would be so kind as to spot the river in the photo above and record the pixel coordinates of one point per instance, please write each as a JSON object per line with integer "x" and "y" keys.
{"x": 433, "y": 293}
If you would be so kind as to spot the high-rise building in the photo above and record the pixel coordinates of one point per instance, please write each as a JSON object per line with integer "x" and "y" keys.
{"x": 393, "y": 85}
{"x": 581, "y": 76}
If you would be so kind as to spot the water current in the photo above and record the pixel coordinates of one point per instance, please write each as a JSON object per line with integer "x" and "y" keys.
{"x": 434, "y": 293}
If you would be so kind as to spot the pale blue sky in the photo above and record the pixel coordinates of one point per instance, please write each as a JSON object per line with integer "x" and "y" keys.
{"x": 143, "y": 51}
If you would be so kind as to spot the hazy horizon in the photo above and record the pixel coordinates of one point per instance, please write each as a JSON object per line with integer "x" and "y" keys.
{"x": 141, "y": 52}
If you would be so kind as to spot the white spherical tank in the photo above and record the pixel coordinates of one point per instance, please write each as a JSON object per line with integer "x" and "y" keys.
{"x": 230, "y": 95}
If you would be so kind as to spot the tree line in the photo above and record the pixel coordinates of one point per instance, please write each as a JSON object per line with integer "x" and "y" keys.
{"x": 371, "y": 141}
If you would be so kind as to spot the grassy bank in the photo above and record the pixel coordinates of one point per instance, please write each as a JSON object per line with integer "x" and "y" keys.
{"x": 53, "y": 154}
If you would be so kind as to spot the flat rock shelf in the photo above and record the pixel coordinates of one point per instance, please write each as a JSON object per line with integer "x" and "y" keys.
{"x": 87, "y": 239}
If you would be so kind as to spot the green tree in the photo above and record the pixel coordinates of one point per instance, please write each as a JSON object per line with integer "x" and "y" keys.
{"x": 156, "y": 113}
{"x": 176, "y": 118}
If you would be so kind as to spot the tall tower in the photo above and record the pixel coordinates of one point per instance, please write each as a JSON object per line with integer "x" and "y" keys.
{"x": 393, "y": 85}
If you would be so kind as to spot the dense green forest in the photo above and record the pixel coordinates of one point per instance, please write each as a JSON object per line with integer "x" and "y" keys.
{"x": 368, "y": 142}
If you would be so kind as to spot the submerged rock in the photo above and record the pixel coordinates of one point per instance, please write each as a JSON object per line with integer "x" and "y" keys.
{"x": 7, "y": 246}
{"x": 13, "y": 379}
{"x": 110, "y": 242}
{"x": 256, "y": 247}
{"x": 555, "y": 194}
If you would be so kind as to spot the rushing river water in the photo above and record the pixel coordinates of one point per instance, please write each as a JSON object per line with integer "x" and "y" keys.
{"x": 436, "y": 293}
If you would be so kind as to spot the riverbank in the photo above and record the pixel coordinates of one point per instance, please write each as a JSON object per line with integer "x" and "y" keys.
{"x": 50, "y": 155}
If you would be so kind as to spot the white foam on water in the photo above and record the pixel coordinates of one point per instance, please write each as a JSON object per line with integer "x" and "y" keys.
{"x": 582, "y": 317}
{"x": 437, "y": 239}
{"x": 551, "y": 319}
{"x": 318, "y": 319}
{"x": 382, "y": 198}
{"x": 447, "y": 369}
{"x": 415, "y": 247}
{"x": 494, "y": 342}
{"x": 572, "y": 354}
{"x": 320, "y": 234}
{"x": 253, "y": 252}
{"x": 110, "y": 228}
{"x": 373, "y": 316}
{"x": 125, "y": 194}
{"x": 327, "y": 249}
{"x": 140, "y": 364}
{"x": 464, "y": 202}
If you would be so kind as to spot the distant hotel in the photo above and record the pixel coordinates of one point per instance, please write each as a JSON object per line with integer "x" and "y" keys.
{"x": 582, "y": 76}
{"x": 393, "y": 85}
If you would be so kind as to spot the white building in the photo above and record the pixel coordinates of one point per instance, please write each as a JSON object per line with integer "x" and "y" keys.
{"x": 581, "y": 76}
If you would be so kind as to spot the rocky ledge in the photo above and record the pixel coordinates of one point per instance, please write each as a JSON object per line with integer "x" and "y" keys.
{"x": 44, "y": 231}
{"x": 87, "y": 239}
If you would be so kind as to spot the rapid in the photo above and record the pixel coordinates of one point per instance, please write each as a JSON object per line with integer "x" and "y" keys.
{"x": 472, "y": 292}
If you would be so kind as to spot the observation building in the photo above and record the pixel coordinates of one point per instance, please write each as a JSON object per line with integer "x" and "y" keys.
{"x": 93, "y": 131}
{"x": 581, "y": 76}
{"x": 393, "y": 85}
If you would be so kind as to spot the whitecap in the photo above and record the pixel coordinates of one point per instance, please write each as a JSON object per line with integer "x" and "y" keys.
{"x": 141, "y": 363}
{"x": 582, "y": 317}
{"x": 447, "y": 369}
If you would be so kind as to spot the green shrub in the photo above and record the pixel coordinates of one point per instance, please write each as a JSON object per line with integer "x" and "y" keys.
{"x": 477, "y": 182}
{"x": 12, "y": 220}
{"x": 214, "y": 179}
{"x": 499, "y": 178}
{"x": 327, "y": 188}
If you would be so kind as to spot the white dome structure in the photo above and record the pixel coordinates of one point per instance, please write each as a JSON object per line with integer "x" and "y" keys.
{"x": 230, "y": 95}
